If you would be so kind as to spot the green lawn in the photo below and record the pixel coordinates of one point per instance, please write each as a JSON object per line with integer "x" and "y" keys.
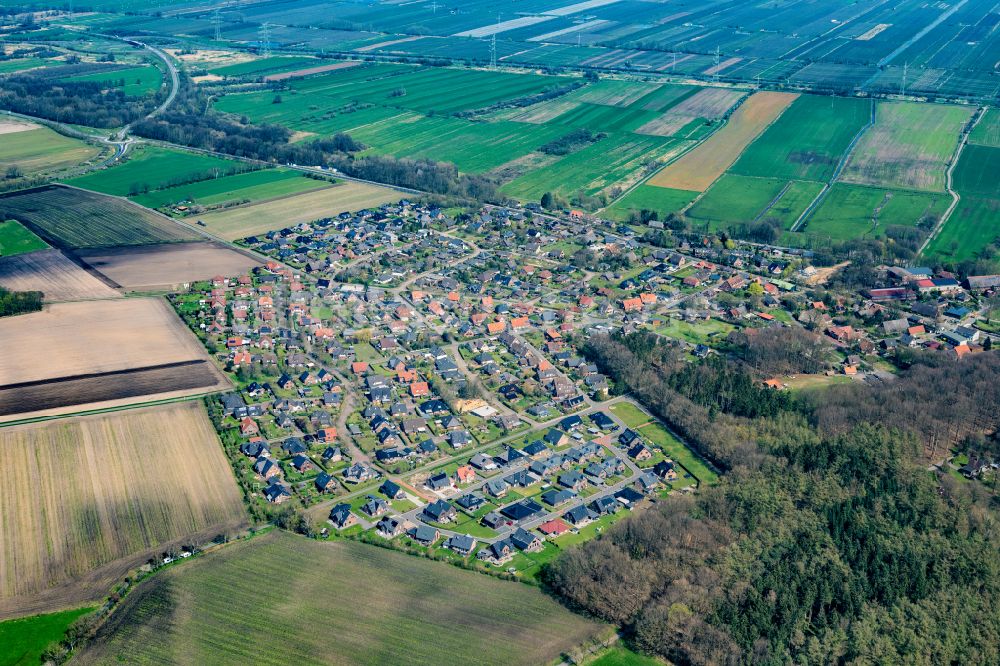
{"x": 335, "y": 601}
{"x": 622, "y": 656}
{"x": 630, "y": 415}
{"x": 16, "y": 239}
{"x": 678, "y": 452}
{"x": 697, "y": 332}
{"x": 23, "y": 641}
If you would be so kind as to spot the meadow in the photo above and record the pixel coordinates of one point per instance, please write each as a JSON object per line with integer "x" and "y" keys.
{"x": 617, "y": 159}
{"x": 134, "y": 81}
{"x": 240, "y": 187}
{"x": 214, "y": 609}
{"x": 977, "y": 172}
{"x": 153, "y": 168}
{"x": 807, "y": 141}
{"x": 987, "y": 130}
{"x": 663, "y": 200}
{"x": 792, "y": 203}
{"x": 88, "y": 498}
{"x": 970, "y": 229}
{"x": 908, "y": 147}
{"x": 23, "y": 641}
{"x": 699, "y": 168}
{"x": 243, "y": 221}
{"x": 16, "y": 239}
{"x": 735, "y": 198}
{"x": 33, "y": 149}
{"x": 72, "y": 218}
{"x": 848, "y": 211}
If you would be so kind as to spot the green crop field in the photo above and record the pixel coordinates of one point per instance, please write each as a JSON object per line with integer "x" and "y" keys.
{"x": 41, "y": 149}
{"x": 281, "y": 599}
{"x": 153, "y": 168}
{"x": 71, "y": 218}
{"x": 649, "y": 197}
{"x": 23, "y": 641}
{"x": 734, "y": 199}
{"x": 598, "y": 166}
{"x": 473, "y": 147}
{"x": 134, "y": 81}
{"x": 978, "y": 172}
{"x": 848, "y": 210}
{"x": 15, "y": 238}
{"x": 604, "y": 118}
{"x": 807, "y": 140}
{"x": 971, "y": 227}
{"x": 787, "y": 209}
{"x": 987, "y": 130}
{"x": 241, "y": 187}
{"x": 908, "y": 147}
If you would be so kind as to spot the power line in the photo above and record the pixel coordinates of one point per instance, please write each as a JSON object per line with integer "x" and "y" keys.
{"x": 217, "y": 22}
{"x": 264, "y": 35}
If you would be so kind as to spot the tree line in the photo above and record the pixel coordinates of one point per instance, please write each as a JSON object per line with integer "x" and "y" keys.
{"x": 827, "y": 541}
{"x": 19, "y": 302}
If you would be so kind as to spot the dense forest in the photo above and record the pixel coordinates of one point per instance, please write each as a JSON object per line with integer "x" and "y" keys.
{"x": 89, "y": 103}
{"x": 19, "y": 302}
{"x": 828, "y": 540}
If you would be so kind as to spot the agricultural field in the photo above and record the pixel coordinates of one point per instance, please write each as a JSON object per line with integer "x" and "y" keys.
{"x": 108, "y": 351}
{"x": 198, "y": 612}
{"x": 807, "y": 141}
{"x": 73, "y": 219}
{"x": 736, "y": 198}
{"x": 699, "y": 168}
{"x": 167, "y": 266}
{"x": 258, "y": 66}
{"x": 977, "y": 172}
{"x": 848, "y": 211}
{"x": 88, "y": 498}
{"x": 15, "y": 239}
{"x": 243, "y": 221}
{"x": 50, "y": 272}
{"x": 614, "y": 160}
{"x": 987, "y": 130}
{"x": 151, "y": 169}
{"x": 34, "y": 149}
{"x": 691, "y": 116}
{"x": 970, "y": 229}
{"x": 663, "y": 200}
{"x": 228, "y": 190}
{"x": 908, "y": 147}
